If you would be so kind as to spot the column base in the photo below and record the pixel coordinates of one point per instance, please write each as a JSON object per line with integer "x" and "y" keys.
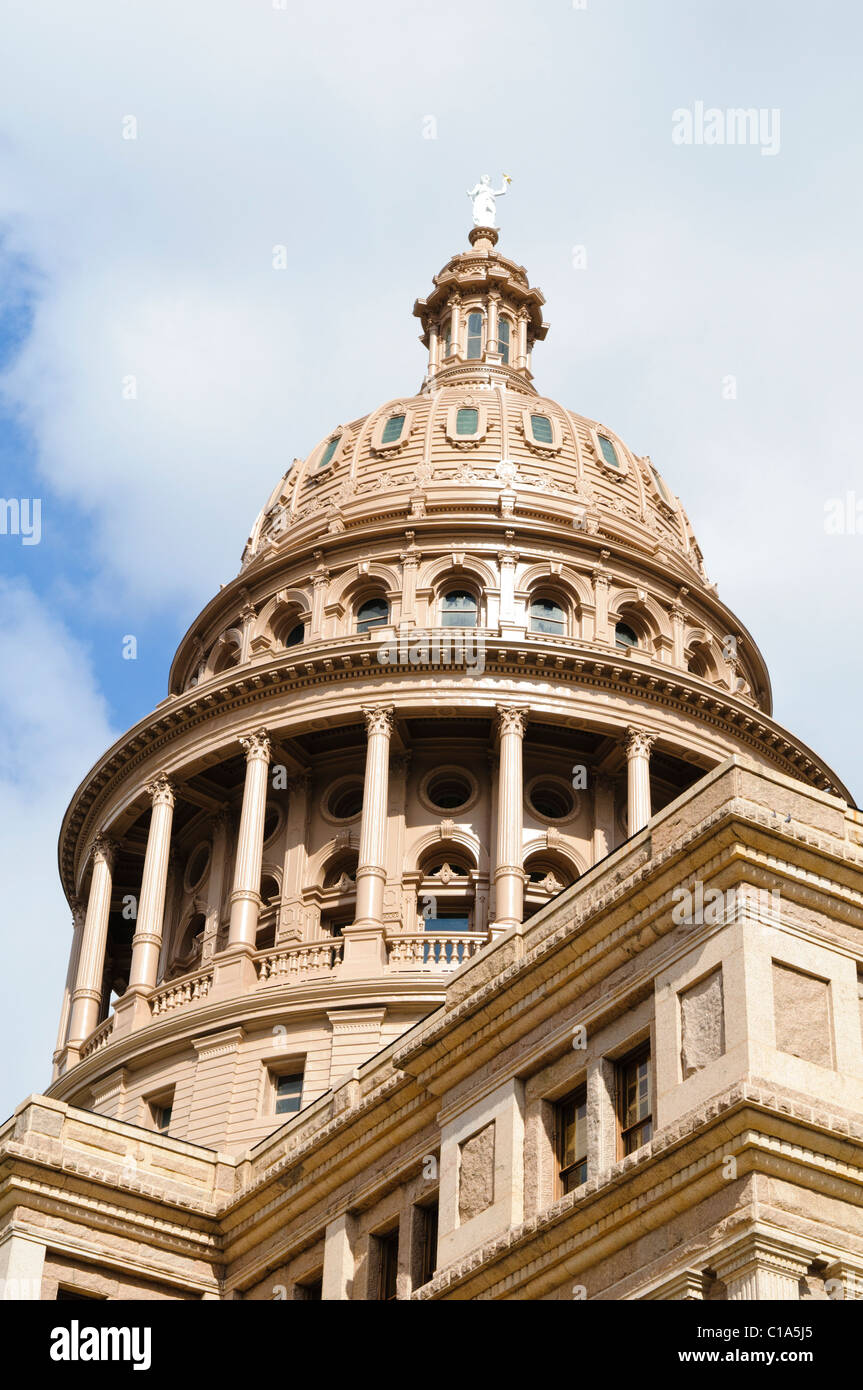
{"x": 499, "y": 929}
{"x": 131, "y": 1012}
{"x": 364, "y": 952}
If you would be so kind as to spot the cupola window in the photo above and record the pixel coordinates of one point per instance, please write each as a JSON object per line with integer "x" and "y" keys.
{"x": 393, "y": 429}
{"x": 374, "y": 612}
{"x": 503, "y": 340}
{"x": 609, "y": 453}
{"x": 624, "y": 636}
{"x": 295, "y": 636}
{"x": 542, "y": 430}
{"x": 661, "y": 488}
{"x": 327, "y": 455}
{"x": 459, "y": 609}
{"x": 467, "y": 420}
{"x": 447, "y": 338}
{"x": 547, "y": 616}
{"x": 474, "y": 336}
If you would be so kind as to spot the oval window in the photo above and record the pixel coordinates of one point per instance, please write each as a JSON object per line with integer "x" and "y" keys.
{"x": 448, "y": 791}
{"x": 552, "y": 800}
{"x": 346, "y": 803}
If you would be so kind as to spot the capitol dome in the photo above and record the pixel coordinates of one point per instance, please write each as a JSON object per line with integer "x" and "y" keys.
{"x": 470, "y": 650}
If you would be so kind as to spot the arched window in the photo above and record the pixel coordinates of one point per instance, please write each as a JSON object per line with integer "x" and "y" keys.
{"x": 227, "y": 657}
{"x": 546, "y": 615}
{"x": 329, "y": 450}
{"x": 375, "y": 612}
{"x": 296, "y": 635}
{"x": 467, "y": 420}
{"x": 624, "y": 636}
{"x": 609, "y": 453}
{"x": 459, "y": 609}
{"x": 474, "y": 336}
{"x": 542, "y": 430}
{"x": 393, "y": 429}
{"x": 503, "y": 335}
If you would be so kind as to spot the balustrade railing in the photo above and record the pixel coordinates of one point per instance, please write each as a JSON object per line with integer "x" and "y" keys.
{"x": 98, "y": 1039}
{"x": 182, "y": 991}
{"x": 433, "y": 951}
{"x": 298, "y": 961}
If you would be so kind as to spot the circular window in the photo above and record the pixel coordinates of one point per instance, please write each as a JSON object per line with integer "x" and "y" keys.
{"x": 345, "y": 801}
{"x": 448, "y": 791}
{"x": 197, "y": 864}
{"x": 272, "y": 821}
{"x": 551, "y": 799}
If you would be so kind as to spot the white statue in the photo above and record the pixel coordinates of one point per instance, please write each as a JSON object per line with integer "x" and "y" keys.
{"x": 483, "y": 200}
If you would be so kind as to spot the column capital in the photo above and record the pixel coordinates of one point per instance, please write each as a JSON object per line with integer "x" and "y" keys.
{"x": 161, "y": 790}
{"x": 106, "y": 849}
{"x": 511, "y": 719}
{"x": 256, "y": 745}
{"x": 79, "y": 911}
{"x": 638, "y": 742}
{"x": 379, "y": 719}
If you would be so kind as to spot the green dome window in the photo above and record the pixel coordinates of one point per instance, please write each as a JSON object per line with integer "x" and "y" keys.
{"x": 503, "y": 340}
{"x": 327, "y": 455}
{"x": 661, "y": 488}
{"x": 609, "y": 453}
{"x": 459, "y": 609}
{"x": 467, "y": 420}
{"x": 374, "y": 612}
{"x": 474, "y": 337}
{"x": 542, "y": 431}
{"x": 393, "y": 429}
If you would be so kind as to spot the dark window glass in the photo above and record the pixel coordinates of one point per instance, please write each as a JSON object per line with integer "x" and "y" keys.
{"x": 609, "y": 453}
{"x": 624, "y": 636}
{"x": 388, "y": 1257}
{"x": 289, "y": 1091}
{"x": 456, "y": 921}
{"x": 162, "y": 1115}
{"x": 374, "y": 612}
{"x": 447, "y": 339}
{"x": 459, "y": 609}
{"x": 503, "y": 340}
{"x": 312, "y": 1292}
{"x": 295, "y": 636}
{"x": 572, "y": 1140}
{"x": 474, "y": 336}
{"x": 346, "y": 803}
{"x": 547, "y": 616}
{"x": 551, "y": 800}
{"x": 393, "y": 429}
{"x": 329, "y": 451}
{"x": 467, "y": 420}
{"x": 633, "y": 1080}
{"x": 448, "y": 792}
{"x": 542, "y": 430}
{"x": 428, "y": 1217}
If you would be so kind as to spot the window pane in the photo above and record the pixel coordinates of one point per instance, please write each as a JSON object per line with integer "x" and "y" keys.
{"x": 329, "y": 451}
{"x": 467, "y": 420}
{"x": 393, "y": 429}
{"x": 609, "y": 453}
{"x": 503, "y": 339}
{"x": 374, "y": 612}
{"x": 460, "y": 922}
{"x": 624, "y": 636}
{"x": 459, "y": 609}
{"x": 447, "y": 338}
{"x": 542, "y": 431}
{"x": 474, "y": 336}
{"x": 289, "y": 1090}
{"x": 547, "y": 616}
{"x": 661, "y": 488}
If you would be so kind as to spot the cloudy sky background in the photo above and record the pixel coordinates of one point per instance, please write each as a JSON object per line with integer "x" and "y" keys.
{"x": 259, "y": 126}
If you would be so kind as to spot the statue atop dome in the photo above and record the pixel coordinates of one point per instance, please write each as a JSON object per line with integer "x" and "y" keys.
{"x": 483, "y": 196}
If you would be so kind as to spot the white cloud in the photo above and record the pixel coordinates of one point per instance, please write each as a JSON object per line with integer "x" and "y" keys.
{"x": 53, "y": 723}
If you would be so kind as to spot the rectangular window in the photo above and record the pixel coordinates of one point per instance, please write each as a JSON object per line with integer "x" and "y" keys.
{"x": 393, "y": 429}
{"x": 427, "y": 1218}
{"x": 542, "y": 431}
{"x": 467, "y": 420}
{"x": 474, "y": 336}
{"x": 289, "y": 1093}
{"x": 503, "y": 340}
{"x": 388, "y": 1265}
{"x": 312, "y": 1291}
{"x": 572, "y": 1140}
{"x": 330, "y": 449}
{"x": 161, "y": 1109}
{"x": 609, "y": 453}
{"x": 633, "y": 1101}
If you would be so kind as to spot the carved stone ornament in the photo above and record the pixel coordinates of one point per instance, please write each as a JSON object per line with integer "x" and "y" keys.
{"x": 106, "y": 849}
{"x": 639, "y": 743}
{"x": 511, "y": 720}
{"x": 161, "y": 790}
{"x": 379, "y": 720}
{"x": 256, "y": 745}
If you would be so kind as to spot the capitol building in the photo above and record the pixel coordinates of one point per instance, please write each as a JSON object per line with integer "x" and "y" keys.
{"x": 461, "y": 925}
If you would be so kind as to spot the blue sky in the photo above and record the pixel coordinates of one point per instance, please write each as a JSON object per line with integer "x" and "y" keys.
{"x": 305, "y": 127}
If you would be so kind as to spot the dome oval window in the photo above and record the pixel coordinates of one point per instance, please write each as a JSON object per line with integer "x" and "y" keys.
{"x": 609, "y": 453}
{"x": 373, "y": 613}
{"x": 346, "y": 802}
{"x": 459, "y": 609}
{"x": 329, "y": 450}
{"x": 624, "y": 636}
{"x": 272, "y": 821}
{"x": 474, "y": 337}
{"x": 392, "y": 431}
{"x": 467, "y": 420}
{"x": 503, "y": 336}
{"x": 552, "y": 800}
{"x": 547, "y": 616}
{"x": 541, "y": 427}
{"x": 449, "y": 791}
{"x": 197, "y": 865}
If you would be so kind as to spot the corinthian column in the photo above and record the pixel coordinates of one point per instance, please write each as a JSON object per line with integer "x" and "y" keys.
{"x": 87, "y": 995}
{"x": 364, "y": 944}
{"x": 508, "y": 872}
{"x": 638, "y": 746}
{"x": 147, "y": 941}
{"x": 246, "y": 895}
{"x": 78, "y": 918}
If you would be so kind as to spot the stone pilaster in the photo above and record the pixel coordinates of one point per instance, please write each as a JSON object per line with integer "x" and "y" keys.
{"x": 762, "y": 1266}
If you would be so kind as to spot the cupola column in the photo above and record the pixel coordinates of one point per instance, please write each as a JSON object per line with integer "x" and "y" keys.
{"x": 434, "y": 346}
{"x": 638, "y": 746}
{"x": 491, "y": 342}
{"x": 78, "y": 919}
{"x": 87, "y": 996}
{"x": 455, "y": 326}
{"x": 132, "y": 1010}
{"x": 508, "y": 872}
{"x": 246, "y": 895}
{"x": 364, "y": 944}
